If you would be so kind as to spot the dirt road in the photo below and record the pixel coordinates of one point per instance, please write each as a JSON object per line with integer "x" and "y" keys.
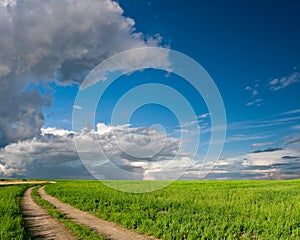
{"x": 39, "y": 223}
{"x": 108, "y": 229}
{"x": 6, "y": 183}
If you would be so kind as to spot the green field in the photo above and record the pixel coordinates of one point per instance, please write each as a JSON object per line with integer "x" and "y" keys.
{"x": 183, "y": 210}
{"x": 11, "y": 223}
{"x": 194, "y": 209}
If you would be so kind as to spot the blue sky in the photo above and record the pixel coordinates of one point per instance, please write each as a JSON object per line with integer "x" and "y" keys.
{"x": 250, "y": 49}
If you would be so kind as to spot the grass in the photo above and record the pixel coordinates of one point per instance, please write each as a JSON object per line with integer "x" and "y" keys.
{"x": 194, "y": 209}
{"x": 11, "y": 222}
{"x": 80, "y": 231}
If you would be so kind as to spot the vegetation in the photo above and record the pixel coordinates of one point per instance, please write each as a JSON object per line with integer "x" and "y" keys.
{"x": 194, "y": 209}
{"x": 12, "y": 225}
{"x": 80, "y": 231}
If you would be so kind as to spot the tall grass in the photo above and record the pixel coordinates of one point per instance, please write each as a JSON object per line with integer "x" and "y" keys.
{"x": 195, "y": 209}
{"x": 11, "y": 222}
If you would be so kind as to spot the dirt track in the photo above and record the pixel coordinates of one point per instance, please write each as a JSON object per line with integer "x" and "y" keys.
{"x": 108, "y": 229}
{"x": 39, "y": 223}
{"x": 6, "y": 183}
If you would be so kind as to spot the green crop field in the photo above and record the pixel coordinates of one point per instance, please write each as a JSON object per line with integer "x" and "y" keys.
{"x": 11, "y": 223}
{"x": 194, "y": 209}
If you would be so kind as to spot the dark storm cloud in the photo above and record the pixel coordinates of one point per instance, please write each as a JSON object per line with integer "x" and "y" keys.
{"x": 20, "y": 112}
{"x": 54, "y": 40}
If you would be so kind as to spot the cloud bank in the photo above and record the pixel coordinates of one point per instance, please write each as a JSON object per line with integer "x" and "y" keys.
{"x": 54, "y": 155}
{"x": 261, "y": 164}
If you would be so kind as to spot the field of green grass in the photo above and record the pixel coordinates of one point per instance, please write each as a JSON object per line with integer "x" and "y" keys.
{"x": 194, "y": 209}
{"x": 11, "y": 223}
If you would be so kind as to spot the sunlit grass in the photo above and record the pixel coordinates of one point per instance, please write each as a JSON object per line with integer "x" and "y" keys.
{"x": 11, "y": 222}
{"x": 195, "y": 209}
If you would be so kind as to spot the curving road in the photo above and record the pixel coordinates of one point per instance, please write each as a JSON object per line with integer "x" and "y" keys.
{"x": 39, "y": 223}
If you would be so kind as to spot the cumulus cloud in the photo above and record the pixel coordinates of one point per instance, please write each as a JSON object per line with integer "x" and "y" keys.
{"x": 267, "y": 157}
{"x": 20, "y": 112}
{"x": 138, "y": 58}
{"x": 65, "y": 39}
{"x": 122, "y": 156}
{"x": 55, "y": 40}
{"x": 7, "y": 3}
{"x": 54, "y": 154}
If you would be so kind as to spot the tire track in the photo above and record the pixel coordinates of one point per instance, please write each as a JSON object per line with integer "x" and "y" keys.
{"x": 39, "y": 223}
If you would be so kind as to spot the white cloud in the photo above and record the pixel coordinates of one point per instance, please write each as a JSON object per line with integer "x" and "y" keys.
{"x": 55, "y": 40}
{"x": 56, "y": 132}
{"x": 261, "y": 144}
{"x": 296, "y": 127}
{"x": 267, "y": 158}
{"x": 65, "y": 39}
{"x": 136, "y": 59}
{"x": 274, "y": 81}
{"x": 189, "y": 124}
{"x": 242, "y": 137}
{"x": 203, "y": 116}
{"x": 77, "y": 107}
{"x": 4, "y": 70}
{"x": 256, "y": 102}
{"x": 277, "y": 84}
{"x": 7, "y": 3}
{"x": 54, "y": 154}
{"x": 254, "y": 92}
{"x": 295, "y": 111}
{"x": 263, "y": 164}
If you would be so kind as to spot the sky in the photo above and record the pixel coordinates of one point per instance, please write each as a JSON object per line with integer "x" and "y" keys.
{"x": 58, "y": 120}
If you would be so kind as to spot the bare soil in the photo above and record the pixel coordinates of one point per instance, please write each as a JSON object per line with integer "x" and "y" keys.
{"x": 107, "y": 229}
{"x": 39, "y": 223}
{"x": 17, "y": 182}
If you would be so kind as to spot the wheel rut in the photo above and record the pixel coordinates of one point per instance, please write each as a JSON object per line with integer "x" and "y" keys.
{"x": 39, "y": 223}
